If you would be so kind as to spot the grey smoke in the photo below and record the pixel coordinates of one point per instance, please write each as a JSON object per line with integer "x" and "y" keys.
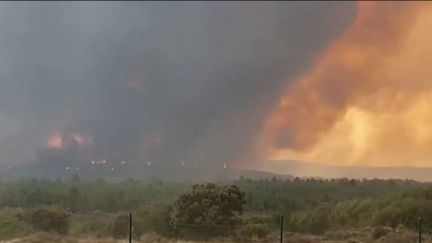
{"x": 196, "y": 77}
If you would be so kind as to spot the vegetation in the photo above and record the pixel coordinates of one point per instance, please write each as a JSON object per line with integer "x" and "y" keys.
{"x": 120, "y": 227}
{"x": 242, "y": 210}
{"x": 208, "y": 210}
{"x": 50, "y": 220}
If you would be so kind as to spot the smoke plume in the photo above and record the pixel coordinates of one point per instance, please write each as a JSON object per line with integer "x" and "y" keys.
{"x": 366, "y": 100}
{"x": 164, "y": 82}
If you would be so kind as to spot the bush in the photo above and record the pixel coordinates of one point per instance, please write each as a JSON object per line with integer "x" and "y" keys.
{"x": 317, "y": 221}
{"x": 156, "y": 219}
{"x": 380, "y": 231}
{"x": 11, "y": 223}
{"x": 50, "y": 220}
{"x": 96, "y": 224}
{"x": 208, "y": 210}
{"x": 120, "y": 228}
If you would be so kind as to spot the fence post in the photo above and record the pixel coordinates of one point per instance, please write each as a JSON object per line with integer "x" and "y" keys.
{"x": 281, "y": 228}
{"x": 130, "y": 227}
{"x": 420, "y": 230}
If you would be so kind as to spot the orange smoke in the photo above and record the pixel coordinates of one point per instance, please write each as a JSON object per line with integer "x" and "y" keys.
{"x": 368, "y": 98}
{"x": 59, "y": 140}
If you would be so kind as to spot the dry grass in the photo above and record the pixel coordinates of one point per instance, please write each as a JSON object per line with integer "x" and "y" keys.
{"x": 348, "y": 236}
{"x": 49, "y": 237}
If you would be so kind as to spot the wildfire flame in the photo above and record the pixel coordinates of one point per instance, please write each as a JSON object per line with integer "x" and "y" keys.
{"x": 367, "y": 100}
{"x": 54, "y": 141}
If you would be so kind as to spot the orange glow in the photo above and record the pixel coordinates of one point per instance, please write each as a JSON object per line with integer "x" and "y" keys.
{"x": 54, "y": 141}
{"x": 368, "y": 98}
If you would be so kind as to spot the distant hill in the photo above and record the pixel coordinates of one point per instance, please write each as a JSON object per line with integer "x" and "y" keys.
{"x": 310, "y": 169}
{"x": 193, "y": 173}
{"x": 141, "y": 171}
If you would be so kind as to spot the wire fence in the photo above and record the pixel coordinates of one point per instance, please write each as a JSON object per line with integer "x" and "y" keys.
{"x": 238, "y": 232}
{"x": 241, "y": 233}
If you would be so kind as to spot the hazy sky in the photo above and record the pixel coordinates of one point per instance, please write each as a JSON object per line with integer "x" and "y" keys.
{"x": 147, "y": 80}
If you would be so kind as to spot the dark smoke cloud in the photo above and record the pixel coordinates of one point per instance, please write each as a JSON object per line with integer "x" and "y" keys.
{"x": 159, "y": 81}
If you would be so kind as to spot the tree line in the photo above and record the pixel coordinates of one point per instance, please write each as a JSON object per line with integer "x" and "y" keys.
{"x": 242, "y": 208}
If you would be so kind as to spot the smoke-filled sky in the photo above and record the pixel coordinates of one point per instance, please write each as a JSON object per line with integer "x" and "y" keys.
{"x": 207, "y": 82}
{"x": 367, "y": 99}
{"x": 144, "y": 80}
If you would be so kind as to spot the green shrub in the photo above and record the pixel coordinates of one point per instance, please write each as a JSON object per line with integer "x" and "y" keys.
{"x": 156, "y": 219}
{"x": 208, "y": 210}
{"x": 96, "y": 224}
{"x": 120, "y": 227}
{"x": 317, "y": 221}
{"x": 12, "y": 224}
{"x": 50, "y": 220}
